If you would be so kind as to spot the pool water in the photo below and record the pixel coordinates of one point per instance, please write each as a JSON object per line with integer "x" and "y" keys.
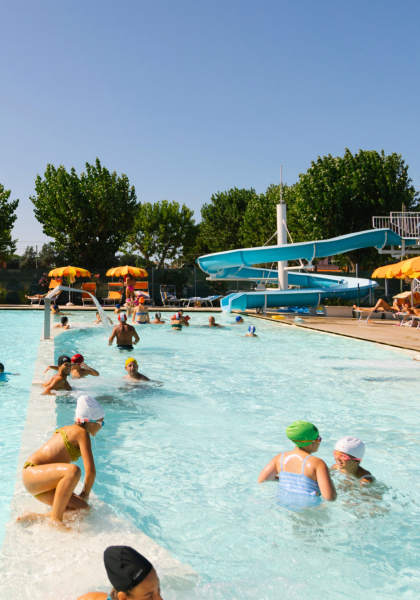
{"x": 19, "y": 338}
{"x": 179, "y": 457}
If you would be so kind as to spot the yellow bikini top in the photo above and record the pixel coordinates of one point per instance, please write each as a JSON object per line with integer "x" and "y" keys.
{"x": 74, "y": 453}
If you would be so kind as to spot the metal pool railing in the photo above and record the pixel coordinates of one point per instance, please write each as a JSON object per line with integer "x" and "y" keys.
{"x": 405, "y": 224}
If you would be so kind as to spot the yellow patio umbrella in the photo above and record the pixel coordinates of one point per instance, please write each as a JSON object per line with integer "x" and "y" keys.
{"x": 122, "y": 271}
{"x": 70, "y": 273}
{"x": 411, "y": 267}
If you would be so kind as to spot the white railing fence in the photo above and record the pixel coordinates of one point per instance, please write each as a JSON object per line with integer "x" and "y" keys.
{"x": 405, "y": 224}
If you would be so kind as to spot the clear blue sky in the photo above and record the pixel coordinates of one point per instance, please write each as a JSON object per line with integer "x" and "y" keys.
{"x": 188, "y": 97}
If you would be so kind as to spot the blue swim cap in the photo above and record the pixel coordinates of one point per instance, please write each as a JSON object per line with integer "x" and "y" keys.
{"x": 238, "y": 318}
{"x": 55, "y": 306}
{"x": 118, "y": 306}
{"x": 251, "y": 329}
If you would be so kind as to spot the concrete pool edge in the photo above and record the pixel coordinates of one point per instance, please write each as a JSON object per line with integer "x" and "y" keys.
{"x": 16, "y": 561}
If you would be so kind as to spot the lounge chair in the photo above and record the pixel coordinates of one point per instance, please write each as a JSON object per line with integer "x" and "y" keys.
{"x": 88, "y": 287}
{"x": 53, "y": 284}
{"x": 115, "y": 292}
{"x": 208, "y": 300}
{"x": 141, "y": 290}
{"x": 168, "y": 295}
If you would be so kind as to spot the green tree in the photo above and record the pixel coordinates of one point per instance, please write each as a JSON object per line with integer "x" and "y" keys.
{"x": 47, "y": 257}
{"x": 340, "y": 195}
{"x": 89, "y": 216}
{"x": 7, "y": 219}
{"x": 163, "y": 230}
{"x": 222, "y": 219}
{"x": 28, "y": 258}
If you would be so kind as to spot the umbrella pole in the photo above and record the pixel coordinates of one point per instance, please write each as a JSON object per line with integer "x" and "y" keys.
{"x": 412, "y": 292}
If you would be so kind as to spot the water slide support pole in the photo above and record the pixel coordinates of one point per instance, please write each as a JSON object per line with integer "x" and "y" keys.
{"x": 47, "y": 318}
{"x": 282, "y": 236}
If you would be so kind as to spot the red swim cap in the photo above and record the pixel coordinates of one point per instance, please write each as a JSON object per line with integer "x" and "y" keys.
{"x": 77, "y": 359}
{"x": 122, "y": 317}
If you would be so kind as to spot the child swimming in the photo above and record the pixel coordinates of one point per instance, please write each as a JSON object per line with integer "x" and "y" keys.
{"x": 49, "y": 474}
{"x": 301, "y": 475}
{"x": 64, "y": 323}
{"x": 251, "y": 331}
{"x": 348, "y": 454}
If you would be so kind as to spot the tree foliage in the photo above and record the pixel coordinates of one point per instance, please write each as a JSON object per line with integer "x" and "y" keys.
{"x": 7, "y": 219}
{"x": 164, "y": 230}
{"x": 89, "y": 216}
{"x": 222, "y": 219}
{"x": 28, "y": 258}
{"x": 337, "y": 196}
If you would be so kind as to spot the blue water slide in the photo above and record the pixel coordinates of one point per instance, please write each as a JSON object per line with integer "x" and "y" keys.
{"x": 238, "y": 264}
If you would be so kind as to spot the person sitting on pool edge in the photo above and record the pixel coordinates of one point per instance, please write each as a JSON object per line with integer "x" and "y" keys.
{"x": 251, "y": 331}
{"x": 348, "y": 453}
{"x": 132, "y": 368}
{"x": 141, "y": 313}
{"x": 79, "y": 368}
{"x": 64, "y": 323}
{"x": 301, "y": 475}
{"x": 59, "y": 381}
{"x": 48, "y": 473}
{"x": 124, "y": 334}
{"x": 158, "y": 319}
{"x": 131, "y": 575}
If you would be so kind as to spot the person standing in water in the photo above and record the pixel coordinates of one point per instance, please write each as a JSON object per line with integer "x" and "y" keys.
{"x": 348, "y": 454}
{"x": 124, "y": 334}
{"x": 132, "y": 368}
{"x": 158, "y": 319}
{"x": 79, "y": 368}
{"x": 141, "y": 313}
{"x": 131, "y": 575}
{"x": 49, "y": 474}
{"x": 64, "y": 323}
{"x": 302, "y": 477}
{"x": 212, "y": 323}
{"x": 59, "y": 381}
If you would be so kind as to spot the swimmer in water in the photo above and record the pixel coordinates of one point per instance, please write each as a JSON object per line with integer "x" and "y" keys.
{"x": 124, "y": 334}
{"x": 79, "y": 368}
{"x": 158, "y": 319}
{"x": 141, "y": 313}
{"x": 251, "y": 331}
{"x": 98, "y": 319}
{"x": 55, "y": 309}
{"x": 64, "y": 323}
{"x": 132, "y": 369}
{"x": 49, "y": 474}
{"x": 59, "y": 381}
{"x": 300, "y": 473}
{"x": 348, "y": 454}
{"x": 1, "y": 368}
{"x": 117, "y": 309}
{"x": 131, "y": 575}
{"x": 238, "y": 320}
{"x": 212, "y": 323}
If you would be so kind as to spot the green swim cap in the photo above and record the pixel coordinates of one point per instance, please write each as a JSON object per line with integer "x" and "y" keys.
{"x": 302, "y": 433}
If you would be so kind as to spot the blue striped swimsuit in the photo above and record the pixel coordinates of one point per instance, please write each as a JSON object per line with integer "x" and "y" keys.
{"x": 296, "y": 488}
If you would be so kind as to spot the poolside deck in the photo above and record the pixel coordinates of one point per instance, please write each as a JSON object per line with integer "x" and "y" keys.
{"x": 377, "y": 331}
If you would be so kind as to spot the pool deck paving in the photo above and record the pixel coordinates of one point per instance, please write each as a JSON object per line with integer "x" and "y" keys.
{"x": 377, "y": 331}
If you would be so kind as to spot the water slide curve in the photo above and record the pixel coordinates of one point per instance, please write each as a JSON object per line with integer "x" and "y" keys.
{"x": 314, "y": 288}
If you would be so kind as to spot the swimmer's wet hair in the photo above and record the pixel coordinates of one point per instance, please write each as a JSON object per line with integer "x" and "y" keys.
{"x": 1, "y": 368}
{"x": 64, "y": 320}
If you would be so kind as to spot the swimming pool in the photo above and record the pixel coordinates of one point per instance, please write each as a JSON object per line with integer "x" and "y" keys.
{"x": 179, "y": 459}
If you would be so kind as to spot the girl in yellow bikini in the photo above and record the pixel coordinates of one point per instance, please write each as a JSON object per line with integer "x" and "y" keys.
{"x": 49, "y": 474}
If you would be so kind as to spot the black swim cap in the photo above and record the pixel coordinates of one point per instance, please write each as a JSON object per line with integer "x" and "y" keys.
{"x": 1, "y": 367}
{"x": 63, "y": 359}
{"x": 158, "y": 315}
{"x": 64, "y": 320}
{"x": 125, "y": 567}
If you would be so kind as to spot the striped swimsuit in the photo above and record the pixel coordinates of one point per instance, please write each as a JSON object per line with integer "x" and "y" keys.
{"x": 296, "y": 488}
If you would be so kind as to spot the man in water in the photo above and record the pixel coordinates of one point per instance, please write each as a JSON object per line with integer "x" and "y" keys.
{"x": 64, "y": 324}
{"x": 124, "y": 334}
{"x": 212, "y": 323}
{"x": 59, "y": 381}
{"x": 79, "y": 368}
{"x": 158, "y": 319}
{"x": 251, "y": 331}
{"x": 132, "y": 369}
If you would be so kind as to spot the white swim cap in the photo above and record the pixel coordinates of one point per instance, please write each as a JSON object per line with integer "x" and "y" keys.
{"x": 88, "y": 409}
{"x": 352, "y": 446}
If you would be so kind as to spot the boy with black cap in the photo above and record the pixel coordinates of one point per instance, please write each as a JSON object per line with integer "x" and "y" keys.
{"x": 131, "y": 574}
{"x": 59, "y": 381}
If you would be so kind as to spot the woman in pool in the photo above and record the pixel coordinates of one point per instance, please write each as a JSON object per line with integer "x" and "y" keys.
{"x": 131, "y": 575}
{"x": 49, "y": 474}
{"x": 301, "y": 475}
{"x": 348, "y": 454}
{"x": 141, "y": 313}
